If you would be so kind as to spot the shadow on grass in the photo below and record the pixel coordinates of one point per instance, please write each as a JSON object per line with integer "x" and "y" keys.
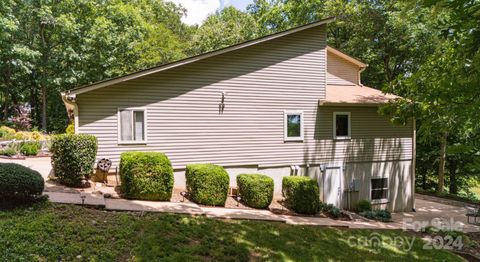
{"x": 49, "y": 232}
{"x": 187, "y": 238}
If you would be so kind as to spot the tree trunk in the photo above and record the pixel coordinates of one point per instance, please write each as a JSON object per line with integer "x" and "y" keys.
{"x": 441, "y": 165}
{"x": 453, "y": 188}
{"x": 5, "y": 104}
{"x": 44, "y": 108}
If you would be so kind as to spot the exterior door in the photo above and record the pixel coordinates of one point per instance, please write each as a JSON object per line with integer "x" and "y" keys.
{"x": 333, "y": 186}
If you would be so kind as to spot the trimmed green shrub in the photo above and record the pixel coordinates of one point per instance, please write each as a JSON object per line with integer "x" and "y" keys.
{"x": 30, "y": 148}
{"x": 380, "y": 215}
{"x": 146, "y": 176}
{"x": 207, "y": 184}
{"x": 301, "y": 194}
{"x": 364, "y": 205}
{"x": 73, "y": 157}
{"x": 331, "y": 210}
{"x": 19, "y": 184}
{"x": 255, "y": 190}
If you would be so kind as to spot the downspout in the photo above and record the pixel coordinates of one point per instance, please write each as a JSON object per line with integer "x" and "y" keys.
{"x": 70, "y": 103}
{"x": 359, "y": 73}
{"x": 414, "y": 156}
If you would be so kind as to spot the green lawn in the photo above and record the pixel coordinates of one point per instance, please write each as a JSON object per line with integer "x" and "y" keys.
{"x": 50, "y": 231}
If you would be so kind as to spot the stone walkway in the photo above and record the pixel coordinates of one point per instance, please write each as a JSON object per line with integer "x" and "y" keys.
{"x": 213, "y": 212}
{"x": 426, "y": 211}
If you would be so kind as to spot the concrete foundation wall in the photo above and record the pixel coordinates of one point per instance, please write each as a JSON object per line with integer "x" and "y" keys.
{"x": 400, "y": 195}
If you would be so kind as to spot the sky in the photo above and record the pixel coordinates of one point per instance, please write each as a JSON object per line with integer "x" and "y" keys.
{"x": 198, "y": 10}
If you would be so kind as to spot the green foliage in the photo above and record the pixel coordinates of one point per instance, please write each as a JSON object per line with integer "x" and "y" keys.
{"x": 301, "y": 194}
{"x": 364, "y": 205}
{"x": 73, "y": 157}
{"x": 29, "y": 148}
{"x": 6, "y": 133}
{"x": 330, "y": 210}
{"x": 9, "y": 151}
{"x": 19, "y": 184}
{"x": 207, "y": 184}
{"x": 146, "y": 176}
{"x": 255, "y": 190}
{"x": 380, "y": 215}
{"x": 49, "y": 46}
{"x": 70, "y": 130}
{"x": 226, "y": 27}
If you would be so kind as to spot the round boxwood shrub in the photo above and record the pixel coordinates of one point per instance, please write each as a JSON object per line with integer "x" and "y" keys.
{"x": 364, "y": 205}
{"x": 19, "y": 184}
{"x": 207, "y": 184}
{"x": 146, "y": 176}
{"x": 30, "y": 148}
{"x": 73, "y": 157}
{"x": 255, "y": 190}
{"x": 301, "y": 194}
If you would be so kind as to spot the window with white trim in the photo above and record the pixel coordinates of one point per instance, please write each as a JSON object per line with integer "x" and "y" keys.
{"x": 132, "y": 125}
{"x": 341, "y": 125}
{"x": 379, "y": 189}
{"x": 293, "y": 126}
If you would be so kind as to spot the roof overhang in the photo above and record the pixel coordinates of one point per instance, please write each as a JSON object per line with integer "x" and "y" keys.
{"x": 87, "y": 88}
{"x": 346, "y": 57}
{"x": 354, "y": 95}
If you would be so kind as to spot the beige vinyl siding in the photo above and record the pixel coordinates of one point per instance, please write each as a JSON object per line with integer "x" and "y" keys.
{"x": 260, "y": 82}
{"x": 341, "y": 71}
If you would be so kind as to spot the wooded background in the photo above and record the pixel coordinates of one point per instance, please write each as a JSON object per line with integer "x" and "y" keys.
{"x": 424, "y": 50}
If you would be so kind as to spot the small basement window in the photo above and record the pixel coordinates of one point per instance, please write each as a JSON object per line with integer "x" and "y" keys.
{"x": 341, "y": 125}
{"x": 293, "y": 126}
{"x": 379, "y": 189}
{"x": 132, "y": 123}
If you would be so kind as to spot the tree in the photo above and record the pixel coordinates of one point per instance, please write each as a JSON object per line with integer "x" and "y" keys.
{"x": 226, "y": 27}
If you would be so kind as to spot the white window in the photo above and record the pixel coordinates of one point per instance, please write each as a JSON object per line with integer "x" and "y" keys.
{"x": 379, "y": 189}
{"x": 132, "y": 125}
{"x": 341, "y": 125}
{"x": 293, "y": 126}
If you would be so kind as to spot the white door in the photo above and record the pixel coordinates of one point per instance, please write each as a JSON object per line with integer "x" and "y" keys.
{"x": 333, "y": 186}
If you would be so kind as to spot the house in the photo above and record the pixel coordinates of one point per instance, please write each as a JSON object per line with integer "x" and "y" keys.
{"x": 284, "y": 104}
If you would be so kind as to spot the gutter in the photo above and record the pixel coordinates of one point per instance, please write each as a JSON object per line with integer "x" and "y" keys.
{"x": 71, "y": 104}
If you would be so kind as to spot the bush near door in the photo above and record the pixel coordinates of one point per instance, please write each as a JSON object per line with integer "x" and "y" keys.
{"x": 301, "y": 194}
{"x": 19, "y": 184}
{"x": 207, "y": 184}
{"x": 73, "y": 157}
{"x": 255, "y": 190}
{"x": 146, "y": 176}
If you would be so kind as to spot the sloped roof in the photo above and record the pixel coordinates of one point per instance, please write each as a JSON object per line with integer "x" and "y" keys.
{"x": 355, "y": 95}
{"x": 189, "y": 60}
{"x": 346, "y": 57}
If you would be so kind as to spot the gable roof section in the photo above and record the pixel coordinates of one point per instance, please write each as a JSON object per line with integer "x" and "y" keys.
{"x": 346, "y": 57}
{"x": 87, "y": 88}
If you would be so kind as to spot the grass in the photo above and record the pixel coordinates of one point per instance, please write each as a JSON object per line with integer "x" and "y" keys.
{"x": 52, "y": 232}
